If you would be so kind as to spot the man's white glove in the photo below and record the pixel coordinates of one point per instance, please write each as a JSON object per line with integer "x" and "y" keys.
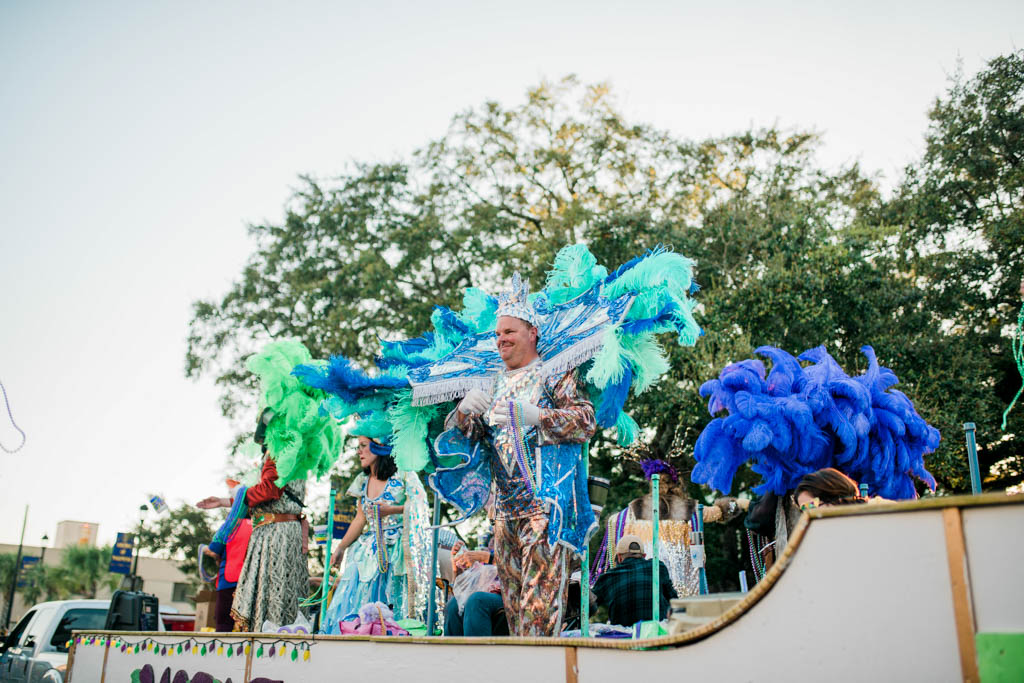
{"x": 531, "y": 414}
{"x": 475, "y": 402}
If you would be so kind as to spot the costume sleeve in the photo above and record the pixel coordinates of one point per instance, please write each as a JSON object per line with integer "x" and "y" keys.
{"x": 266, "y": 490}
{"x": 355, "y": 489}
{"x": 667, "y": 589}
{"x": 470, "y": 425}
{"x": 599, "y": 589}
{"x": 239, "y": 510}
{"x": 572, "y": 418}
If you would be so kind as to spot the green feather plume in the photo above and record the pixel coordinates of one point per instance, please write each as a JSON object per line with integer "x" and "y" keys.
{"x": 299, "y": 439}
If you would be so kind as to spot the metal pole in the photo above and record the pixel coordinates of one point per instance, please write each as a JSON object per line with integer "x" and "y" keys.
{"x": 14, "y": 574}
{"x": 972, "y": 458}
{"x": 136, "y": 547}
{"x": 325, "y": 586}
{"x": 655, "y": 561}
{"x": 585, "y": 567}
{"x": 432, "y": 586}
{"x": 702, "y": 572}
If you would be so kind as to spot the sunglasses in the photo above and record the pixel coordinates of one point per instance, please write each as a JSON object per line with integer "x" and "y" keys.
{"x": 810, "y": 505}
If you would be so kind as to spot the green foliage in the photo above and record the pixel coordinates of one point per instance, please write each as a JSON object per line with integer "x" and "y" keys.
{"x": 44, "y": 582}
{"x": 787, "y": 253}
{"x": 86, "y": 570}
{"x": 962, "y": 212}
{"x": 177, "y": 536}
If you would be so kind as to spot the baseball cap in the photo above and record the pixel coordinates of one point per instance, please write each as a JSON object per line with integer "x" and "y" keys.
{"x": 623, "y": 546}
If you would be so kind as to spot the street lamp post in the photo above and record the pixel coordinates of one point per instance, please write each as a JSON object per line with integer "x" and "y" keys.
{"x": 134, "y": 578}
{"x": 42, "y": 548}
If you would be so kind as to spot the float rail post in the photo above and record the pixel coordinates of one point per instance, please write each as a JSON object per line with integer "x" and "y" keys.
{"x": 585, "y": 566}
{"x": 325, "y": 586}
{"x": 702, "y": 573}
{"x": 432, "y": 599}
{"x": 655, "y": 560}
{"x": 972, "y": 458}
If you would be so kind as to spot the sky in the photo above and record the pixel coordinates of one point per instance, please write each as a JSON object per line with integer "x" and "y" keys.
{"x": 138, "y": 140}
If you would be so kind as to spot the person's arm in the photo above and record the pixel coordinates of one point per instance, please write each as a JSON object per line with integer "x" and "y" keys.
{"x": 213, "y": 502}
{"x": 468, "y": 415}
{"x": 386, "y": 510}
{"x": 354, "y": 529}
{"x": 597, "y": 596}
{"x": 266, "y": 490}
{"x": 572, "y": 419}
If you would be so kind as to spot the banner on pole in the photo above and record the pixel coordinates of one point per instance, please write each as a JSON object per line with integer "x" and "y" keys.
{"x": 121, "y": 558}
{"x": 27, "y": 562}
{"x": 344, "y": 513}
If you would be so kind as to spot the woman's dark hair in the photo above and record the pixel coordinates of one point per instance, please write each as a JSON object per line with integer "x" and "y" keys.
{"x": 383, "y": 467}
{"x": 831, "y": 487}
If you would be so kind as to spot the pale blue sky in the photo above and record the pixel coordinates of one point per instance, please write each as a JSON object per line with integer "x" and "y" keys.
{"x": 138, "y": 140}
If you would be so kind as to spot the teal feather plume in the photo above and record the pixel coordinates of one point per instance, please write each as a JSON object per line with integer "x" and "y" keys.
{"x": 410, "y": 425}
{"x": 574, "y": 271}
{"x": 607, "y": 362}
{"x": 626, "y": 430}
{"x": 648, "y": 359}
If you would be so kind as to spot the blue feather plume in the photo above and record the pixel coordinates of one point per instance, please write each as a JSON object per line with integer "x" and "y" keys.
{"x": 802, "y": 419}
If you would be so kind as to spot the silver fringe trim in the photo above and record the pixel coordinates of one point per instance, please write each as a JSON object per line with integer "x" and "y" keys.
{"x": 449, "y": 390}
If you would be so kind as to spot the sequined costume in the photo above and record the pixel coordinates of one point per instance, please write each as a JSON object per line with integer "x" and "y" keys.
{"x": 541, "y": 505}
{"x": 395, "y": 577}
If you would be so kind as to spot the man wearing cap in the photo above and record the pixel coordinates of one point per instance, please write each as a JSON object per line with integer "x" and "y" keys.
{"x": 626, "y": 589}
{"x": 533, "y": 422}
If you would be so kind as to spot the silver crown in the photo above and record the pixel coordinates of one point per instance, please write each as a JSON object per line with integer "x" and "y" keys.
{"x": 515, "y": 302}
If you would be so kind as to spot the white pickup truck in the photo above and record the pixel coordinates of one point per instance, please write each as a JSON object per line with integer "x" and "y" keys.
{"x": 36, "y": 650}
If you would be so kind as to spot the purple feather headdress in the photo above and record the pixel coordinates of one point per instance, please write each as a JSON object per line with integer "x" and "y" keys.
{"x": 652, "y": 467}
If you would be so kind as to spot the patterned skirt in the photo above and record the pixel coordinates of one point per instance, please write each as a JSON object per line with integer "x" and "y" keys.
{"x": 274, "y": 578}
{"x": 359, "y": 585}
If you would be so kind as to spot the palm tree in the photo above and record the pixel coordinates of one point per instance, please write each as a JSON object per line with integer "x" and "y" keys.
{"x": 87, "y": 570}
{"x": 6, "y": 576}
{"x": 45, "y": 583}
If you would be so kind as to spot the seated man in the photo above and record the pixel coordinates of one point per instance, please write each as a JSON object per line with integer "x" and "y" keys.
{"x": 626, "y": 590}
{"x": 484, "y": 611}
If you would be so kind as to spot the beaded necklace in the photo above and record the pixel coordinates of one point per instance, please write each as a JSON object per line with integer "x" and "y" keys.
{"x": 756, "y": 563}
{"x": 378, "y": 536}
{"x": 515, "y": 409}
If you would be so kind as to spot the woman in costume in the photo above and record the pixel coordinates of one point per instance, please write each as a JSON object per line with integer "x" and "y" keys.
{"x": 274, "y": 577}
{"x": 825, "y": 488}
{"x": 387, "y": 539}
{"x": 295, "y": 441}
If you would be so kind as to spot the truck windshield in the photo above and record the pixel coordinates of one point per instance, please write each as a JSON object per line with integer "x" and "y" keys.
{"x": 80, "y": 618}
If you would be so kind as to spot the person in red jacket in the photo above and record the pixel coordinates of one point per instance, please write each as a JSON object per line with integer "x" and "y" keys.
{"x": 228, "y": 548}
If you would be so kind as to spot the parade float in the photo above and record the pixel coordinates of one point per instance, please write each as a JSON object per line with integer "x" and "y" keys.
{"x": 905, "y": 589}
{"x": 915, "y": 591}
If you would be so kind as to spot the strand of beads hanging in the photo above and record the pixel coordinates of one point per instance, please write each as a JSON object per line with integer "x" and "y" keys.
{"x": 515, "y": 410}
{"x": 377, "y": 524}
{"x": 756, "y": 561}
{"x": 1017, "y": 346}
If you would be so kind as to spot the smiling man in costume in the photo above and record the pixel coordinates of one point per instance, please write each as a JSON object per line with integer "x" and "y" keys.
{"x": 533, "y": 424}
